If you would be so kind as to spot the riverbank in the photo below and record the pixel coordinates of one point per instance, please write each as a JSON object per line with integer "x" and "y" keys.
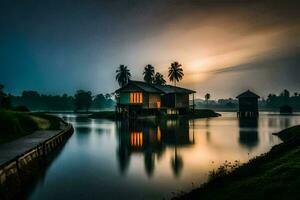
{"x": 274, "y": 175}
{"x": 24, "y": 159}
{"x": 14, "y": 125}
{"x": 198, "y": 113}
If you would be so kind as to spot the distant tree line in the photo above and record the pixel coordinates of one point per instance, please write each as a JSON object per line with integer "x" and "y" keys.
{"x": 284, "y": 98}
{"x": 272, "y": 102}
{"x": 223, "y": 104}
{"x": 85, "y": 100}
{"x": 4, "y": 98}
{"x": 32, "y": 100}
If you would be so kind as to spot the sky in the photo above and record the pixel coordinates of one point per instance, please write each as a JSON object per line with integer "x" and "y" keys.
{"x": 224, "y": 46}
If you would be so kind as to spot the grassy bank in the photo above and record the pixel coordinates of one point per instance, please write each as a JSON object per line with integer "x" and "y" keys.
{"x": 274, "y": 175}
{"x": 198, "y": 113}
{"x": 17, "y": 124}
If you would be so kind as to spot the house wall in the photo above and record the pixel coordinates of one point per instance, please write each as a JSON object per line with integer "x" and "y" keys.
{"x": 168, "y": 101}
{"x": 145, "y": 100}
{"x": 182, "y": 101}
{"x": 124, "y": 98}
{"x": 150, "y": 100}
{"x": 153, "y": 99}
{"x": 248, "y": 104}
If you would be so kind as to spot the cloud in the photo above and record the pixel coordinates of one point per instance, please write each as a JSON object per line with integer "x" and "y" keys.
{"x": 209, "y": 37}
{"x": 279, "y": 61}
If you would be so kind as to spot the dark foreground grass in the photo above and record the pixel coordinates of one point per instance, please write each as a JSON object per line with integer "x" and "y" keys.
{"x": 274, "y": 175}
{"x": 17, "y": 124}
{"x": 53, "y": 121}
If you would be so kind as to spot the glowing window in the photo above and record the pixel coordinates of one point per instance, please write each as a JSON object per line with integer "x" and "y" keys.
{"x": 158, "y": 104}
{"x": 131, "y": 97}
{"x": 136, "y": 97}
{"x": 141, "y": 97}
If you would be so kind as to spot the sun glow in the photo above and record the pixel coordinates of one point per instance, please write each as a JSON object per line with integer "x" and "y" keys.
{"x": 213, "y": 44}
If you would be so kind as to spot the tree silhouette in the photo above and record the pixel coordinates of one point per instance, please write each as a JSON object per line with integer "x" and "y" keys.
{"x": 35, "y": 101}
{"x": 159, "y": 79}
{"x": 2, "y": 94}
{"x": 285, "y": 93}
{"x": 5, "y": 101}
{"x": 123, "y": 75}
{"x": 175, "y": 72}
{"x": 101, "y": 101}
{"x": 107, "y": 96}
{"x": 148, "y": 73}
{"x": 207, "y": 97}
{"x": 83, "y": 100}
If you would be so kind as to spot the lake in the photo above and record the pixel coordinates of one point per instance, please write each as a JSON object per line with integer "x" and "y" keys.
{"x": 151, "y": 160}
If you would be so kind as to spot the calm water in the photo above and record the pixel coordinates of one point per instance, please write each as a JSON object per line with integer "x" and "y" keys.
{"x": 146, "y": 160}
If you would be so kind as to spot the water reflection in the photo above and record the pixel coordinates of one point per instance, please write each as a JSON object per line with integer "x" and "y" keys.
{"x": 248, "y": 133}
{"x": 83, "y": 130}
{"x": 285, "y": 122}
{"x": 282, "y": 121}
{"x": 207, "y": 126}
{"x": 153, "y": 158}
{"x": 151, "y": 139}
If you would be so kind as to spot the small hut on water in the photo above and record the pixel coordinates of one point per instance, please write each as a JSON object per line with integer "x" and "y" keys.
{"x": 248, "y": 104}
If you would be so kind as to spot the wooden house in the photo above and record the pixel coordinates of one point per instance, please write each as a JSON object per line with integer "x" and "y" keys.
{"x": 248, "y": 104}
{"x": 142, "y": 98}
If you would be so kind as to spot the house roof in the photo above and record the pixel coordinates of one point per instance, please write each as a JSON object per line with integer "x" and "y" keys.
{"x": 248, "y": 94}
{"x": 167, "y": 89}
{"x": 139, "y": 86}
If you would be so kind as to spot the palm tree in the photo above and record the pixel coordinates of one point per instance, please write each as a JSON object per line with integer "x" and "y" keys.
{"x": 123, "y": 75}
{"x": 285, "y": 93}
{"x": 207, "y": 97}
{"x": 148, "y": 73}
{"x": 159, "y": 79}
{"x": 175, "y": 72}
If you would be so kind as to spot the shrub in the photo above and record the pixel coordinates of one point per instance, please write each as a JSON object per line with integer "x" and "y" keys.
{"x": 15, "y": 124}
{"x": 223, "y": 170}
{"x": 21, "y": 109}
